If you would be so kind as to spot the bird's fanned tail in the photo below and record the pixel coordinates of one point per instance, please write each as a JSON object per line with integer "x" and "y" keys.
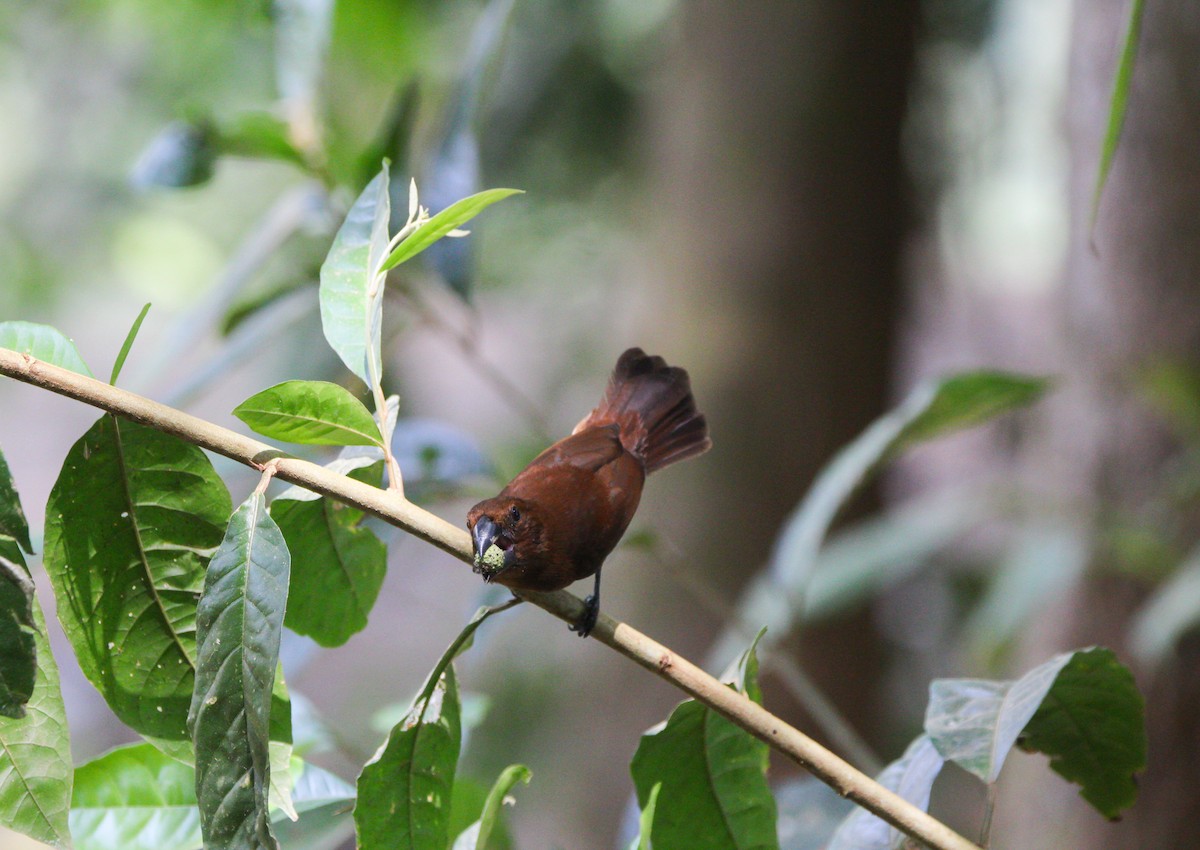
{"x": 653, "y": 405}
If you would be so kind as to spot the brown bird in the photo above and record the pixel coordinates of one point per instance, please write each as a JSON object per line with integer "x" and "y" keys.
{"x": 559, "y": 518}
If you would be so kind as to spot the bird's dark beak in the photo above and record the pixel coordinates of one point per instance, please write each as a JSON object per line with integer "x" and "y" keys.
{"x": 486, "y": 535}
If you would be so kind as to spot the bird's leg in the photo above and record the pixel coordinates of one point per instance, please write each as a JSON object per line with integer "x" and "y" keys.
{"x": 591, "y": 610}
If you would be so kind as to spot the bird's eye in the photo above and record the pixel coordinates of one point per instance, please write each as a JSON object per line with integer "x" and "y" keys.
{"x": 514, "y": 514}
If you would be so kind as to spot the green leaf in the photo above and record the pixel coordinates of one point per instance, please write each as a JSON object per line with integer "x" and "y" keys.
{"x": 964, "y": 401}
{"x": 44, "y": 343}
{"x": 135, "y": 797}
{"x": 35, "y": 755}
{"x": 351, "y": 292}
{"x": 1080, "y": 708}
{"x": 128, "y": 344}
{"x": 259, "y": 135}
{"x": 130, "y": 524}
{"x": 714, "y": 791}
{"x": 931, "y": 410}
{"x": 975, "y": 722}
{"x": 404, "y": 791}
{"x": 1116, "y": 108}
{"x": 1170, "y": 612}
{"x": 238, "y": 627}
{"x": 742, "y": 674}
{"x": 12, "y": 517}
{"x": 1092, "y": 726}
{"x": 911, "y": 776}
{"x": 712, "y": 774}
{"x": 451, "y": 218}
{"x": 183, "y": 154}
{"x": 337, "y": 569}
{"x": 646, "y": 819}
{"x": 478, "y": 835}
{"x": 18, "y": 651}
{"x": 311, "y": 412}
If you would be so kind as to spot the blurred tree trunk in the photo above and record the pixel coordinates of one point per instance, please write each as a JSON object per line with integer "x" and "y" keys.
{"x": 1128, "y": 302}
{"x": 785, "y": 193}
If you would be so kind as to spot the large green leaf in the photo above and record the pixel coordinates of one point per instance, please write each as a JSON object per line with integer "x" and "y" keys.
{"x": 312, "y": 412}
{"x": 712, "y": 774}
{"x": 1092, "y": 726}
{"x": 478, "y": 836}
{"x": 239, "y": 623}
{"x": 931, "y": 410}
{"x": 44, "y": 343}
{"x": 452, "y": 217}
{"x": 136, "y": 798}
{"x": 12, "y": 517}
{"x": 35, "y": 755}
{"x": 351, "y": 292}
{"x": 18, "y": 650}
{"x": 338, "y": 566}
{"x": 404, "y": 791}
{"x": 130, "y": 524}
{"x": 911, "y": 776}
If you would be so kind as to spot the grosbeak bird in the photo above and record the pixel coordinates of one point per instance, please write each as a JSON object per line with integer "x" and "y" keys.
{"x": 559, "y": 518}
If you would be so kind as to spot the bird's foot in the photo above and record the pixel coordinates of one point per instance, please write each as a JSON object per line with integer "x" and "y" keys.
{"x": 591, "y": 610}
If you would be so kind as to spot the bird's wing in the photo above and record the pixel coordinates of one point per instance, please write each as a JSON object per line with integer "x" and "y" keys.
{"x": 590, "y": 449}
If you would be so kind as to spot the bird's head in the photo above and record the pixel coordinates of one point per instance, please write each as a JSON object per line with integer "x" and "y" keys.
{"x": 499, "y": 528}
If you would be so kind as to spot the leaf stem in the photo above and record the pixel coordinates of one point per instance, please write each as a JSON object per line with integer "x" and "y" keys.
{"x": 393, "y": 508}
{"x": 989, "y": 807}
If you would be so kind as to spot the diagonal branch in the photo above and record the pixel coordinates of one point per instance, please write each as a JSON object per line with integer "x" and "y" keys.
{"x": 393, "y": 508}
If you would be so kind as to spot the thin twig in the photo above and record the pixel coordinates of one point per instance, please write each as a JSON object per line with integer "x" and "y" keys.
{"x": 468, "y": 344}
{"x": 392, "y": 508}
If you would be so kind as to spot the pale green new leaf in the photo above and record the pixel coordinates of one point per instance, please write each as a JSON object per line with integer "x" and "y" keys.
{"x": 44, "y": 343}
{"x": 130, "y": 525}
{"x": 311, "y": 412}
{"x": 35, "y": 755}
{"x": 239, "y": 623}
{"x": 451, "y": 218}
{"x": 351, "y": 292}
